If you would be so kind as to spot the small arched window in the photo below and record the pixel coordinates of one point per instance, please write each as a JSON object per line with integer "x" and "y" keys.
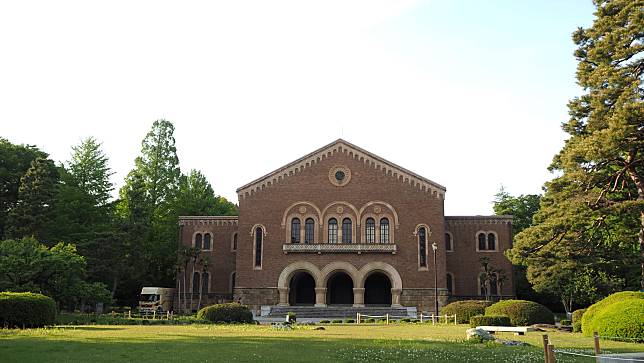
{"x": 384, "y": 230}
{"x": 309, "y": 230}
{"x": 259, "y": 239}
{"x": 449, "y": 244}
{"x": 333, "y": 230}
{"x": 346, "y": 231}
{"x": 491, "y": 241}
{"x": 198, "y": 239}
{"x": 207, "y": 237}
{"x": 449, "y": 281}
{"x": 235, "y": 242}
{"x": 195, "y": 282}
{"x": 205, "y": 283}
{"x": 370, "y": 230}
{"x": 295, "y": 230}
{"x": 232, "y": 282}
{"x": 482, "y": 242}
{"x": 422, "y": 247}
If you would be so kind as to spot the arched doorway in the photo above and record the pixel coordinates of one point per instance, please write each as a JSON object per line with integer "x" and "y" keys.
{"x": 301, "y": 289}
{"x": 339, "y": 289}
{"x": 377, "y": 289}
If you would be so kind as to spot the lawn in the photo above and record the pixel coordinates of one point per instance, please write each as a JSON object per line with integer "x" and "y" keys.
{"x": 244, "y": 343}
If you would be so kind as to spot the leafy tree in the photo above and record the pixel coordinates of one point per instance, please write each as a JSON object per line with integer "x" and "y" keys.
{"x": 90, "y": 171}
{"x": 521, "y": 208}
{"x": 490, "y": 275}
{"x": 15, "y": 160}
{"x": 35, "y": 199}
{"x": 196, "y": 197}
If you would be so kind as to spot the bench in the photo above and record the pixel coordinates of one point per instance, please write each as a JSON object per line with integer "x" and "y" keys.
{"x": 517, "y": 330}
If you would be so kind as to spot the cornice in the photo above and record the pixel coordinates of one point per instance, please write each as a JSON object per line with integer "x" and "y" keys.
{"x": 208, "y": 220}
{"x": 455, "y": 220}
{"x": 342, "y": 146}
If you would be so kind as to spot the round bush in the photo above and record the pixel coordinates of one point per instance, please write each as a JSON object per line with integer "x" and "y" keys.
{"x": 522, "y": 312}
{"x": 489, "y": 320}
{"x": 622, "y": 319}
{"x": 576, "y": 319}
{"x": 26, "y": 310}
{"x": 226, "y": 313}
{"x": 587, "y": 320}
{"x": 465, "y": 309}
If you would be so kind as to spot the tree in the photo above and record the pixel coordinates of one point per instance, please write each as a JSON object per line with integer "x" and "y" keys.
{"x": 604, "y": 157}
{"x": 90, "y": 171}
{"x": 521, "y": 208}
{"x": 205, "y": 263}
{"x": 196, "y": 197}
{"x": 490, "y": 276}
{"x": 15, "y": 160}
{"x": 35, "y": 199}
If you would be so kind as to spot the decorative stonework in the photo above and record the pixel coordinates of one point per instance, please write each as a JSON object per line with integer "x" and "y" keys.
{"x": 339, "y": 248}
{"x": 377, "y": 210}
{"x": 208, "y": 220}
{"x": 339, "y": 210}
{"x": 477, "y": 220}
{"x": 341, "y": 146}
{"x": 302, "y": 209}
{"x": 339, "y": 175}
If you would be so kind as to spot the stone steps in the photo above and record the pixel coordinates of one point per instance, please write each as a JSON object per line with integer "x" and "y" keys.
{"x": 330, "y": 312}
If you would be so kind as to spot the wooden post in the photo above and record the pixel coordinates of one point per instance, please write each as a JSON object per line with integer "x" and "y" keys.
{"x": 597, "y": 349}
{"x": 387, "y": 318}
{"x": 129, "y": 314}
{"x": 154, "y": 314}
{"x": 433, "y": 319}
{"x": 421, "y": 316}
{"x": 545, "y": 348}
{"x": 357, "y": 318}
{"x": 551, "y": 354}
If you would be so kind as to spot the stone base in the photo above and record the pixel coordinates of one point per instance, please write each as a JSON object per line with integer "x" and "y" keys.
{"x": 254, "y": 298}
{"x": 423, "y": 299}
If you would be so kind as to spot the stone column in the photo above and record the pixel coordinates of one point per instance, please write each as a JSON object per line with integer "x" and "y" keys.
{"x": 358, "y": 297}
{"x": 320, "y": 297}
{"x": 395, "y": 298}
{"x": 283, "y": 291}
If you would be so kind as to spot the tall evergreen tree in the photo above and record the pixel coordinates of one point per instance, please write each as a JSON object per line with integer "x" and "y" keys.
{"x": 90, "y": 170}
{"x": 33, "y": 210}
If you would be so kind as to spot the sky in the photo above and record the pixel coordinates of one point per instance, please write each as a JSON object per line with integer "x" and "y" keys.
{"x": 470, "y": 94}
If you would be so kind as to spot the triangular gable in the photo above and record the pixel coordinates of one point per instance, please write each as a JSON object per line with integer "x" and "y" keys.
{"x": 340, "y": 145}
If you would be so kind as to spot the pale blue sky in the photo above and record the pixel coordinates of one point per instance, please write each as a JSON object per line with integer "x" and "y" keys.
{"x": 470, "y": 94}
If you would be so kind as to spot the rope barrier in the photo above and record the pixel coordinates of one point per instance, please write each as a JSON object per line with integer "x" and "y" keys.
{"x": 600, "y": 356}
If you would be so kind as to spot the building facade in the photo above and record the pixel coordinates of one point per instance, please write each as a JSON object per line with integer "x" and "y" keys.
{"x": 342, "y": 226}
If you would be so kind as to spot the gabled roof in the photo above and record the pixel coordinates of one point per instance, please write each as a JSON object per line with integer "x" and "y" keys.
{"x": 341, "y": 145}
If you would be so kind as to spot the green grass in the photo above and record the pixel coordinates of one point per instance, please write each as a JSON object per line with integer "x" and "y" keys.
{"x": 244, "y": 343}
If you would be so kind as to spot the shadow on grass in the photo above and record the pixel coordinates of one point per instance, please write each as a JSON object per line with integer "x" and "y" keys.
{"x": 88, "y": 327}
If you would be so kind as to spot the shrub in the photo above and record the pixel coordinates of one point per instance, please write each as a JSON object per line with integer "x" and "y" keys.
{"x": 349, "y": 321}
{"x": 405, "y": 320}
{"x": 489, "y": 320}
{"x": 324, "y": 321}
{"x": 577, "y": 314}
{"x": 226, "y": 313}
{"x": 336, "y": 321}
{"x": 622, "y": 319}
{"x": 522, "y": 312}
{"x": 26, "y": 310}
{"x": 565, "y": 322}
{"x": 587, "y": 324}
{"x": 465, "y": 309}
{"x": 370, "y": 320}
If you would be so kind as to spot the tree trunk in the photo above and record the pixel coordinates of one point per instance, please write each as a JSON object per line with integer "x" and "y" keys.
{"x": 179, "y": 290}
{"x": 192, "y": 288}
{"x": 200, "y": 291}
{"x": 639, "y": 184}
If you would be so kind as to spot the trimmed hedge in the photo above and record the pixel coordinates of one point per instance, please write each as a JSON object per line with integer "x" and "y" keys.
{"x": 465, "y": 309}
{"x": 588, "y": 325}
{"x": 576, "y": 319}
{"x": 623, "y": 319}
{"x": 226, "y": 313}
{"x": 26, "y": 310}
{"x": 490, "y": 320}
{"x": 522, "y": 312}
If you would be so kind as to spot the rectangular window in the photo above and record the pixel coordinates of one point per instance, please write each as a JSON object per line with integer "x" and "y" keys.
{"x": 258, "y": 246}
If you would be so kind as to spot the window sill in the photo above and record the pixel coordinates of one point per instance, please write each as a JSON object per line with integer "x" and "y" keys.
{"x": 339, "y": 248}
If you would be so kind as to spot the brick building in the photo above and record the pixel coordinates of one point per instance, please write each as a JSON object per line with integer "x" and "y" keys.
{"x": 342, "y": 226}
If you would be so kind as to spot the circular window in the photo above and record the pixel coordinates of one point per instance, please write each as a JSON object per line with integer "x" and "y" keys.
{"x": 339, "y": 176}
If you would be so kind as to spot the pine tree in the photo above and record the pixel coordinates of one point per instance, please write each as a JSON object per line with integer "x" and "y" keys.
{"x": 90, "y": 170}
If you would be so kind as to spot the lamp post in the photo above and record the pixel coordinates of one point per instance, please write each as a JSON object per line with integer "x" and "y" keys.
{"x": 435, "y": 248}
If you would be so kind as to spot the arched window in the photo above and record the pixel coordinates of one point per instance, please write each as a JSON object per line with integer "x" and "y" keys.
{"x": 482, "y": 242}
{"x": 449, "y": 246}
{"x": 205, "y": 283}
{"x": 232, "y": 282}
{"x": 370, "y": 230}
{"x": 309, "y": 230}
{"x": 295, "y": 230}
{"x": 422, "y": 247}
{"x": 491, "y": 241}
{"x": 198, "y": 239}
{"x": 346, "y": 231}
{"x": 235, "y": 241}
{"x": 333, "y": 230}
{"x": 195, "y": 282}
{"x": 384, "y": 230}
{"x": 259, "y": 239}
{"x": 207, "y": 237}
{"x": 449, "y": 281}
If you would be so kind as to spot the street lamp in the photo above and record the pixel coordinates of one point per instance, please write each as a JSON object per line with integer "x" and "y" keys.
{"x": 435, "y": 248}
